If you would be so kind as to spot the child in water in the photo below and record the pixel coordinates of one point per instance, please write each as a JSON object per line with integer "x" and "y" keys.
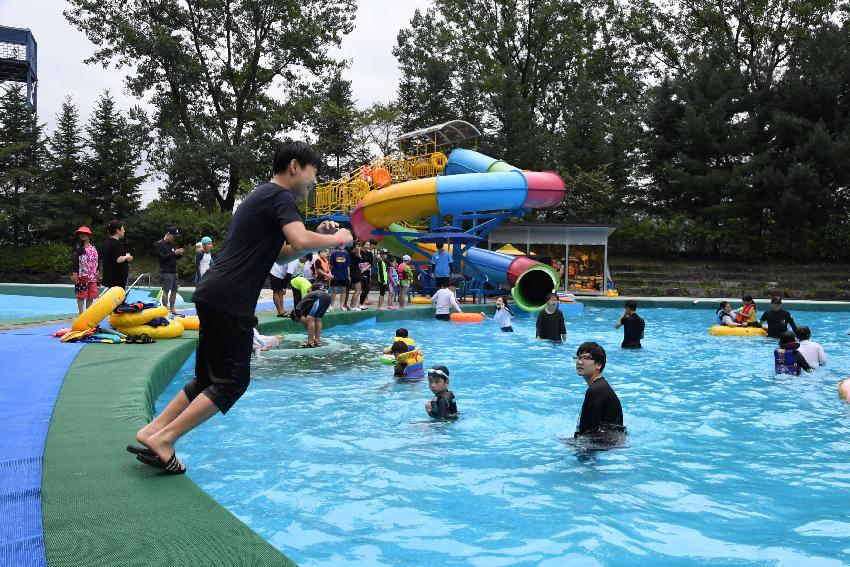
{"x": 550, "y": 321}
{"x": 401, "y": 334}
{"x": 264, "y": 342}
{"x": 409, "y": 363}
{"x": 503, "y": 315}
{"x": 443, "y": 406}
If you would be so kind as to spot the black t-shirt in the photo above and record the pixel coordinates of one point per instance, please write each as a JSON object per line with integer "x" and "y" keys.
{"x": 601, "y": 409}
{"x": 777, "y": 322}
{"x": 369, "y": 258}
{"x": 252, "y": 245}
{"x": 633, "y": 327}
{"x": 114, "y": 274}
{"x": 551, "y": 325}
{"x": 355, "y": 259}
{"x": 167, "y": 257}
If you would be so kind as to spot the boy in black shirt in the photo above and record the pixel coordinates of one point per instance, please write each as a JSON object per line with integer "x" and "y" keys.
{"x": 116, "y": 261}
{"x": 601, "y": 412}
{"x": 550, "y": 321}
{"x": 632, "y": 324}
{"x": 443, "y": 406}
{"x": 777, "y": 319}
{"x": 168, "y": 256}
{"x": 266, "y": 226}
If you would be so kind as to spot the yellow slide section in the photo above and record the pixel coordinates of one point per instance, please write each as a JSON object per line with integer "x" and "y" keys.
{"x": 408, "y": 200}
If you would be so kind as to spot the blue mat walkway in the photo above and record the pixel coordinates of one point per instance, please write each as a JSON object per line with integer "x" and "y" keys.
{"x": 31, "y": 373}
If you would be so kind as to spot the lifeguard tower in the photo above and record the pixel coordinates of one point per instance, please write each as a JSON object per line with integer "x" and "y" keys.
{"x": 19, "y": 60}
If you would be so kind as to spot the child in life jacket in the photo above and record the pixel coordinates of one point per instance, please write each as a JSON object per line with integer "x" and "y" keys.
{"x": 787, "y": 359}
{"x": 408, "y": 363}
{"x": 725, "y": 315}
{"x": 401, "y": 335}
{"x": 443, "y": 406}
{"x": 746, "y": 314}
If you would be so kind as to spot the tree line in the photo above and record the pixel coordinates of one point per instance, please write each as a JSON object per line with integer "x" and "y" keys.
{"x": 699, "y": 127}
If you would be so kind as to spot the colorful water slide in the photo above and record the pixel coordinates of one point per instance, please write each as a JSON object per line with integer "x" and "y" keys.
{"x": 471, "y": 183}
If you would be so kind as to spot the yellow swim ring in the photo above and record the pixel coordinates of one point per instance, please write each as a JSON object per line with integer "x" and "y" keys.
{"x": 117, "y": 320}
{"x": 100, "y": 309}
{"x": 421, "y": 300}
{"x": 190, "y": 322}
{"x": 173, "y": 330}
{"x": 724, "y": 331}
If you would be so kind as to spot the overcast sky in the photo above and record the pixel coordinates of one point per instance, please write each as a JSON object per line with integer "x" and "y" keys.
{"x": 62, "y": 49}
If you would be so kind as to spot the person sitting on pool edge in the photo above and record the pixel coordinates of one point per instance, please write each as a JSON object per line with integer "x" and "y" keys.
{"x": 443, "y": 406}
{"x": 401, "y": 334}
{"x": 787, "y": 359}
{"x": 309, "y": 312}
{"x": 777, "y": 318}
{"x": 725, "y": 315}
{"x": 263, "y": 342}
{"x": 444, "y": 300}
{"x": 601, "y": 413}
{"x": 409, "y": 363}
{"x": 550, "y": 321}
{"x": 633, "y": 325}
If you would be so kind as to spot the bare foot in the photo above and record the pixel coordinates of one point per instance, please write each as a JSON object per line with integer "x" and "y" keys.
{"x": 144, "y": 434}
{"x": 162, "y": 448}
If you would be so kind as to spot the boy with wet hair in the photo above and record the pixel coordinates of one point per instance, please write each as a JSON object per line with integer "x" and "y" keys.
{"x": 601, "y": 412}
{"x": 443, "y": 406}
{"x": 633, "y": 325}
{"x": 813, "y": 352}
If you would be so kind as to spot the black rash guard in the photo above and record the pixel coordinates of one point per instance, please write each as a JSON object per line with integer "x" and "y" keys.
{"x": 777, "y": 322}
{"x": 443, "y": 406}
{"x": 601, "y": 410}
{"x": 633, "y": 327}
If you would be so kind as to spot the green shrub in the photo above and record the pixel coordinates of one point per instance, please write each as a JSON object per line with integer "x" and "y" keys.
{"x": 51, "y": 260}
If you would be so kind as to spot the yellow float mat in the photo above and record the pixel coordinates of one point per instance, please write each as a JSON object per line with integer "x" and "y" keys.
{"x": 173, "y": 330}
{"x": 724, "y": 331}
{"x": 117, "y": 320}
{"x": 100, "y": 309}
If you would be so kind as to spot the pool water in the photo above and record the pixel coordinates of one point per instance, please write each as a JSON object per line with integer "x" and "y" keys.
{"x": 335, "y": 464}
{"x": 19, "y": 306}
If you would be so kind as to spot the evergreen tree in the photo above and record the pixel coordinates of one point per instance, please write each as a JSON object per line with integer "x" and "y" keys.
{"x": 65, "y": 174}
{"x": 335, "y": 126}
{"x": 112, "y": 184}
{"x": 22, "y": 154}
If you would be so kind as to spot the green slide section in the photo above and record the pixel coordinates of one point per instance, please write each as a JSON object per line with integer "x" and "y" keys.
{"x": 102, "y": 507}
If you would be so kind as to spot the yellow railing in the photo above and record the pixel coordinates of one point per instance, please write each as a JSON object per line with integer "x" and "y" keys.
{"x": 341, "y": 195}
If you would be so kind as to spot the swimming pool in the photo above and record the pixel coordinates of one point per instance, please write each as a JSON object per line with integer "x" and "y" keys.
{"x": 18, "y": 306}
{"x": 335, "y": 464}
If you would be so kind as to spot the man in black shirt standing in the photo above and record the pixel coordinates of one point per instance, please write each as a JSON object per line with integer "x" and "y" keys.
{"x": 601, "y": 412}
{"x": 116, "y": 262}
{"x": 633, "y": 325}
{"x": 267, "y": 226}
{"x": 168, "y": 256}
{"x": 777, "y": 319}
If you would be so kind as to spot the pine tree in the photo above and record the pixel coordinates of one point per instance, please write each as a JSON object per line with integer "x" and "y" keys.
{"x": 22, "y": 153}
{"x": 335, "y": 126}
{"x": 65, "y": 174}
{"x": 112, "y": 190}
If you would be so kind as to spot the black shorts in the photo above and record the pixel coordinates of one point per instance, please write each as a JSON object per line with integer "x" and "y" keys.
{"x": 382, "y": 288}
{"x": 442, "y": 282}
{"x": 341, "y": 283}
{"x": 444, "y": 317}
{"x": 223, "y": 359}
{"x": 277, "y": 283}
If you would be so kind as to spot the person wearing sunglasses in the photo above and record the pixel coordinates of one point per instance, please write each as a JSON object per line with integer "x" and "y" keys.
{"x": 443, "y": 406}
{"x": 601, "y": 413}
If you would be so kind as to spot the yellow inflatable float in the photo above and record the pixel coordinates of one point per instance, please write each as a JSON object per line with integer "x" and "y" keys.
{"x": 724, "y": 331}
{"x": 171, "y": 331}
{"x": 420, "y": 300}
{"x": 100, "y": 309}
{"x": 190, "y": 322}
{"x": 120, "y": 320}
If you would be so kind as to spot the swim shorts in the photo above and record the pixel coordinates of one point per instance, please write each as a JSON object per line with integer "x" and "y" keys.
{"x": 86, "y": 290}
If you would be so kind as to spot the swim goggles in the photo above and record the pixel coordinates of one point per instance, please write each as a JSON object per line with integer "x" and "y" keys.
{"x": 437, "y": 372}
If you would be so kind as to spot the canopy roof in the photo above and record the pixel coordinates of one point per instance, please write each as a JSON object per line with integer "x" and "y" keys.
{"x": 449, "y": 133}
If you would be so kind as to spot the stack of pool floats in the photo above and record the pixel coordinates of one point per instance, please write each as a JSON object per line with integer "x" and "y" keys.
{"x": 136, "y": 322}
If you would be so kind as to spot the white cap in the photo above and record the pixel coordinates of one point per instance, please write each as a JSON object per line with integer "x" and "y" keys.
{"x": 406, "y": 258}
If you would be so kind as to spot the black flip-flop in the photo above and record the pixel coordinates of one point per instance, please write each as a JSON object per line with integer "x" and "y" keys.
{"x": 140, "y": 450}
{"x": 170, "y": 467}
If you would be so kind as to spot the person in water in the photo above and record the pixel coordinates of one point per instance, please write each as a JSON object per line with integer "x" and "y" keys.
{"x": 787, "y": 358}
{"x": 503, "y": 315}
{"x": 409, "y": 363}
{"x": 812, "y": 351}
{"x": 725, "y": 315}
{"x": 777, "y": 319}
{"x": 443, "y": 406}
{"x": 601, "y": 412}
{"x": 264, "y": 342}
{"x": 633, "y": 325}
{"x": 309, "y": 312}
{"x": 401, "y": 334}
{"x": 550, "y": 321}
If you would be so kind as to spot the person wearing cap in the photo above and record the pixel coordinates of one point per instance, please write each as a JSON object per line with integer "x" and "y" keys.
{"x": 84, "y": 261}
{"x": 443, "y": 406}
{"x": 168, "y": 256}
{"x": 116, "y": 261}
{"x": 405, "y": 278}
{"x": 777, "y": 319}
{"x": 204, "y": 258}
{"x": 381, "y": 268}
{"x": 266, "y": 226}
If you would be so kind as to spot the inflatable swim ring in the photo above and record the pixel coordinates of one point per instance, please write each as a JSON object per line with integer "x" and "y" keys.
{"x": 171, "y": 331}
{"x": 420, "y": 300}
{"x": 467, "y": 317}
{"x": 190, "y": 322}
{"x": 118, "y": 320}
{"x": 724, "y": 331}
{"x": 844, "y": 390}
{"x": 100, "y": 309}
